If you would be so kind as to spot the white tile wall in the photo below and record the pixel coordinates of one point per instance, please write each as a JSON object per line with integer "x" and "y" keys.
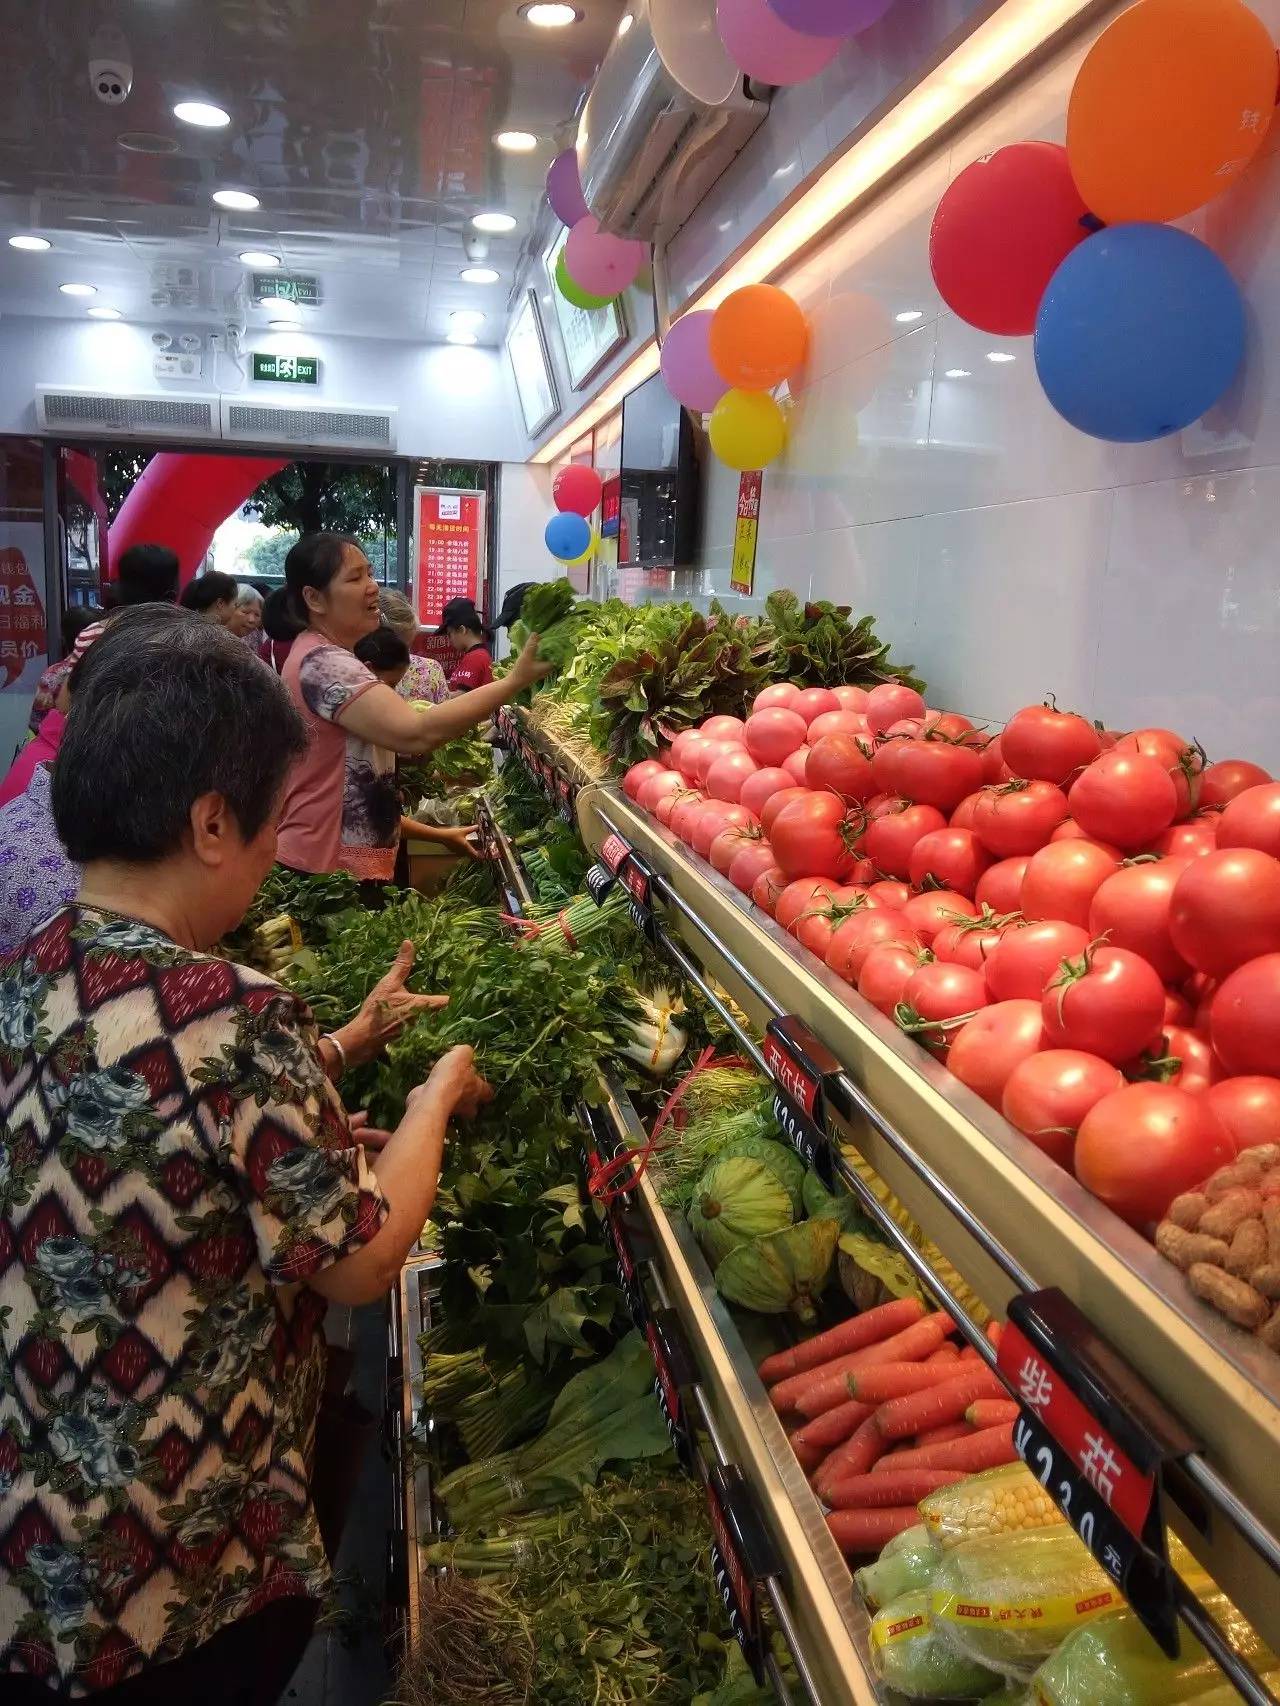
{"x": 1003, "y": 552}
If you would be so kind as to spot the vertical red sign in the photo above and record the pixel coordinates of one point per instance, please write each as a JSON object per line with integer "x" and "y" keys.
{"x": 448, "y": 550}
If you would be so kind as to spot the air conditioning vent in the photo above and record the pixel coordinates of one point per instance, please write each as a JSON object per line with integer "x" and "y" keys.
{"x": 353, "y": 429}
{"x": 59, "y": 409}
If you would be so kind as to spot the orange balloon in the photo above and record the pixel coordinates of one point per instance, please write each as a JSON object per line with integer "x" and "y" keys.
{"x": 1169, "y": 107}
{"x": 758, "y": 337}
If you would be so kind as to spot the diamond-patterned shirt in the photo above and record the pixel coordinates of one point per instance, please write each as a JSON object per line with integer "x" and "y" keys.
{"x": 174, "y": 1166}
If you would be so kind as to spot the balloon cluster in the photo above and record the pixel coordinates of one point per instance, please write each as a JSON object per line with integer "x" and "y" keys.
{"x": 593, "y": 266}
{"x": 787, "y": 41}
{"x": 728, "y": 361}
{"x": 575, "y": 492}
{"x": 1139, "y": 327}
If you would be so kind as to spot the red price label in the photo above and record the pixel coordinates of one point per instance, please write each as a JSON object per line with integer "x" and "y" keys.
{"x": 1044, "y": 1394}
{"x": 790, "y": 1075}
{"x": 738, "y": 1589}
{"x": 613, "y": 853}
{"x": 636, "y": 882}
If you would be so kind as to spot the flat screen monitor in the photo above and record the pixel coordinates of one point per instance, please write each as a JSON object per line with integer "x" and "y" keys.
{"x": 658, "y": 524}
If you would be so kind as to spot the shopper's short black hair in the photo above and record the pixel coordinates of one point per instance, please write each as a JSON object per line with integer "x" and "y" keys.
{"x": 207, "y": 590}
{"x": 76, "y": 619}
{"x": 278, "y": 620}
{"x": 383, "y": 649}
{"x": 147, "y": 574}
{"x": 164, "y": 708}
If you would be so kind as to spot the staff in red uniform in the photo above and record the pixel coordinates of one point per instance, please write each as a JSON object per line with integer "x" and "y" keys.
{"x": 467, "y": 634}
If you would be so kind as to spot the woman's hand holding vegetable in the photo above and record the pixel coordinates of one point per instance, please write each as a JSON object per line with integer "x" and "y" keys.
{"x": 380, "y": 716}
{"x": 454, "y": 1078}
{"x": 387, "y": 1009}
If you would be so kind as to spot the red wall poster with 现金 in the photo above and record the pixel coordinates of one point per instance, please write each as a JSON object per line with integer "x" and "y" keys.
{"x": 448, "y": 550}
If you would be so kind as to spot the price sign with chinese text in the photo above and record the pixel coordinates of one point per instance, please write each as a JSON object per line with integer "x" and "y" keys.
{"x": 746, "y": 531}
{"x": 743, "y": 1555}
{"x": 599, "y": 882}
{"x": 674, "y": 1378}
{"x": 612, "y": 853}
{"x": 448, "y": 549}
{"x": 803, "y": 1070}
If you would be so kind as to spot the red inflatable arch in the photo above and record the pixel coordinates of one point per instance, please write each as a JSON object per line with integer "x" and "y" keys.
{"x": 182, "y": 499}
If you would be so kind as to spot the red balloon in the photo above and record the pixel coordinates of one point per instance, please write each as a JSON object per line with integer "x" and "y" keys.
{"x": 1000, "y": 233}
{"x": 577, "y": 490}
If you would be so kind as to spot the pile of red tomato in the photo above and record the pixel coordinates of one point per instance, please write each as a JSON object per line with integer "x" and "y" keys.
{"x": 1084, "y": 926}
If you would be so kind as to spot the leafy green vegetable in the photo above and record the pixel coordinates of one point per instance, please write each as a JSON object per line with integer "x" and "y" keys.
{"x": 815, "y": 646}
{"x": 784, "y": 1271}
{"x": 737, "y": 1199}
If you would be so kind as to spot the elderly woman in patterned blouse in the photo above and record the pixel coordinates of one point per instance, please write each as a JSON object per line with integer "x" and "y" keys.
{"x": 181, "y": 1190}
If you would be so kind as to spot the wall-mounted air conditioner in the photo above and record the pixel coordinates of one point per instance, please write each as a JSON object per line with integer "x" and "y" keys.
{"x": 648, "y": 149}
{"x": 66, "y": 410}
{"x": 315, "y": 428}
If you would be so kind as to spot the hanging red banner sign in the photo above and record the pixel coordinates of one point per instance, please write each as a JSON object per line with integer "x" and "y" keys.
{"x": 448, "y": 550}
{"x": 746, "y": 530}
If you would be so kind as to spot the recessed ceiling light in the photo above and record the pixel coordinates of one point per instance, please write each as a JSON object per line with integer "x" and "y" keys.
{"x": 496, "y": 222}
{"x": 105, "y": 314}
{"x": 550, "y": 14}
{"x": 285, "y": 325}
{"x": 958, "y": 373}
{"x": 239, "y": 201}
{"x": 999, "y": 355}
{"x": 203, "y": 114}
{"x": 461, "y": 338}
{"x": 259, "y": 258}
{"x": 36, "y": 245}
{"x": 624, "y": 24}
{"x": 516, "y": 141}
{"x": 909, "y": 315}
{"x": 479, "y": 275}
{"x": 78, "y": 289}
{"x": 464, "y": 317}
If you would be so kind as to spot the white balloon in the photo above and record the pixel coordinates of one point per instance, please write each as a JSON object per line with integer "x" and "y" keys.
{"x": 689, "y": 45}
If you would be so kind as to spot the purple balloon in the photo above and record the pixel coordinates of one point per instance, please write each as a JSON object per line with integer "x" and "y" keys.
{"x": 686, "y": 363}
{"x": 564, "y": 189}
{"x": 759, "y": 43}
{"x": 599, "y": 263}
{"x": 830, "y": 17}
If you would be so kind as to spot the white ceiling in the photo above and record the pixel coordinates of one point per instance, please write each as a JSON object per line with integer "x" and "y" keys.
{"x": 364, "y": 126}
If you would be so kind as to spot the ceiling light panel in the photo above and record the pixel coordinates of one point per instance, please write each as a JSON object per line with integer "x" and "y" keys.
{"x": 203, "y": 114}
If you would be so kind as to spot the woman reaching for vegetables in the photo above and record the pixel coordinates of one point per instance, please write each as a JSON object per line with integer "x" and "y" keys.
{"x": 340, "y": 808}
{"x": 184, "y": 1181}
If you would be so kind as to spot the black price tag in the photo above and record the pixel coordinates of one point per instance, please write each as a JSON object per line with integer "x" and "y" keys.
{"x": 637, "y": 879}
{"x": 674, "y": 1378}
{"x": 565, "y": 795}
{"x": 742, "y": 1557}
{"x": 630, "y": 1247}
{"x": 804, "y": 1072}
{"x": 599, "y": 882}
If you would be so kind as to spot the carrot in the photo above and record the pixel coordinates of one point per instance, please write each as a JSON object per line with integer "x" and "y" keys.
{"x": 913, "y": 1344}
{"x": 990, "y": 1412}
{"x": 886, "y": 1380}
{"x": 985, "y": 1450}
{"x": 937, "y": 1404}
{"x": 851, "y": 1335}
{"x": 854, "y": 1457}
{"x": 944, "y": 1353}
{"x": 995, "y": 1332}
{"x": 893, "y": 1487}
{"x": 948, "y": 1430}
{"x": 832, "y": 1428}
{"x": 866, "y": 1531}
{"x": 808, "y": 1455}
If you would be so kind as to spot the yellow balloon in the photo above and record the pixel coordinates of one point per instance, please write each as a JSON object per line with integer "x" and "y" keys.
{"x": 590, "y": 551}
{"x": 747, "y": 429}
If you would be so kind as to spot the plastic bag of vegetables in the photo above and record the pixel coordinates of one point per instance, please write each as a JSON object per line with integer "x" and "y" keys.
{"x": 911, "y": 1654}
{"x": 906, "y": 1565}
{"x": 786, "y": 1271}
{"x": 737, "y": 1199}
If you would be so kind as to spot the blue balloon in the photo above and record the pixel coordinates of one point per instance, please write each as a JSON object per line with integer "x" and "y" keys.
{"x": 1139, "y": 332}
{"x": 567, "y": 536}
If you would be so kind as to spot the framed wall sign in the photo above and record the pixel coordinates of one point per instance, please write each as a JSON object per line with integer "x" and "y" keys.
{"x": 531, "y": 366}
{"x": 590, "y": 335}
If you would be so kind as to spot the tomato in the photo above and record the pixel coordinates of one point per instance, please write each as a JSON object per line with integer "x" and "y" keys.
{"x": 1062, "y": 879}
{"x": 813, "y": 702}
{"x": 1145, "y": 1144}
{"x": 984, "y": 1052}
{"x": 684, "y": 813}
{"x": 1184, "y": 762}
{"x": 1000, "y": 886}
{"x": 1222, "y": 781}
{"x": 687, "y": 758}
{"x": 1181, "y": 1057}
{"x": 888, "y": 892}
{"x": 1189, "y": 840}
{"x": 815, "y": 837}
{"x": 962, "y": 817}
{"x": 884, "y": 765}
{"x": 818, "y": 923}
{"x": 799, "y": 896}
{"x": 954, "y": 726}
{"x": 1124, "y": 798}
{"x": 906, "y": 728}
{"x": 639, "y": 773}
{"x": 969, "y": 941}
{"x": 1048, "y": 745}
{"x": 934, "y": 997}
{"x": 1226, "y": 909}
{"x": 949, "y": 858}
{"x": 1244, "y": 1018}
{"x": 762, "y": 785}
{"x": 728, "y": 773}
{"x": 705, "y": 755}
{"x": 781, "y": 693}
{"x": 934, "y": 771}
{"x": 773, "y": 734}
{"x": 754, "y": 858}
{"x": 1131, "y": 909}
{"x": 886, "y": 967}
{"x": 656, "y": 784}
{"x": 713, "y": 816}
{"x": 1177, "y": 1009}
{"x": 851, "y": 698}
{"x": 1023, "y": 961}
{"x": 665, "y": 808}
{"x": 1018, "y": 817}
{"x": 677, "y": 748}
{"x": 1249, "y": 1108}
{"x": 929, "y": 913}
{"x": 837, "y": 723}
{"x": 1252, "y": 819}
{"x": 853, "y": 941}
{"x": 1049, "y": 1093}
{"x": 994, "y": 768}
{"x": 1068, "y": 830}
{"x": 838, "y": 764}
{"x": 889, "y": 841}
{"x": 863, "y": 872}
{"x": 767, "y": 889}
{"x": 723, "y": 728}
{"x": 732, "y": 840}
{"x": 795, "y": 763}
{"x": 1106, "y": 1002}
{"x": 888, "y": 702}
{"x": 774, "y": 804}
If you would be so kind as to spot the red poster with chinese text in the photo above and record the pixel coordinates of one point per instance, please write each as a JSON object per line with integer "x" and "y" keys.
{"x": 22, "y": 624}
{"x": 448, "y": 551}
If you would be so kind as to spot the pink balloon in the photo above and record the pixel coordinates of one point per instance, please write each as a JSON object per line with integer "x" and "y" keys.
{"x": 830, "y": 17}
{"x": 757, "y": 40}
{"x": 564, "y": 189}
{"x": 686, "y": 363}
{"x": 599, "y": 263}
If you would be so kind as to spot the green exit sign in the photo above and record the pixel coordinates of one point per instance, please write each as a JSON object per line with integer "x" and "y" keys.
{"x": 287, "y": 369}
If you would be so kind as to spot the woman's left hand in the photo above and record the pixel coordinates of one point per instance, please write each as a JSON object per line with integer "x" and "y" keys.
{"x": 460, "y": 840}
{"x": 370, "y": 1136}
{"x": 387, "y": 1009}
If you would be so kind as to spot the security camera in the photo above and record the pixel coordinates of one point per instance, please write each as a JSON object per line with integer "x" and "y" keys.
{"x": 476, "y": 247}
{"x": 110, "y": 67}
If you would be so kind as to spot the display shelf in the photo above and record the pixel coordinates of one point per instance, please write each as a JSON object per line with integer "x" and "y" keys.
{"x": 1008, "y": 1218}
{"x": 416, "y": 1514}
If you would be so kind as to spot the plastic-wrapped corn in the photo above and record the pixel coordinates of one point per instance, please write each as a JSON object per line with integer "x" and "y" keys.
{"x": 906, "y": 1563}
{"x": 910, "y": 1654}
{"x": 1006, "y": 1500}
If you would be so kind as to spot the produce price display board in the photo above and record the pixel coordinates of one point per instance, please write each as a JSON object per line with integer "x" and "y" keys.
{"x": 448, "y": 549}
{"x": 805, "y": 1072}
